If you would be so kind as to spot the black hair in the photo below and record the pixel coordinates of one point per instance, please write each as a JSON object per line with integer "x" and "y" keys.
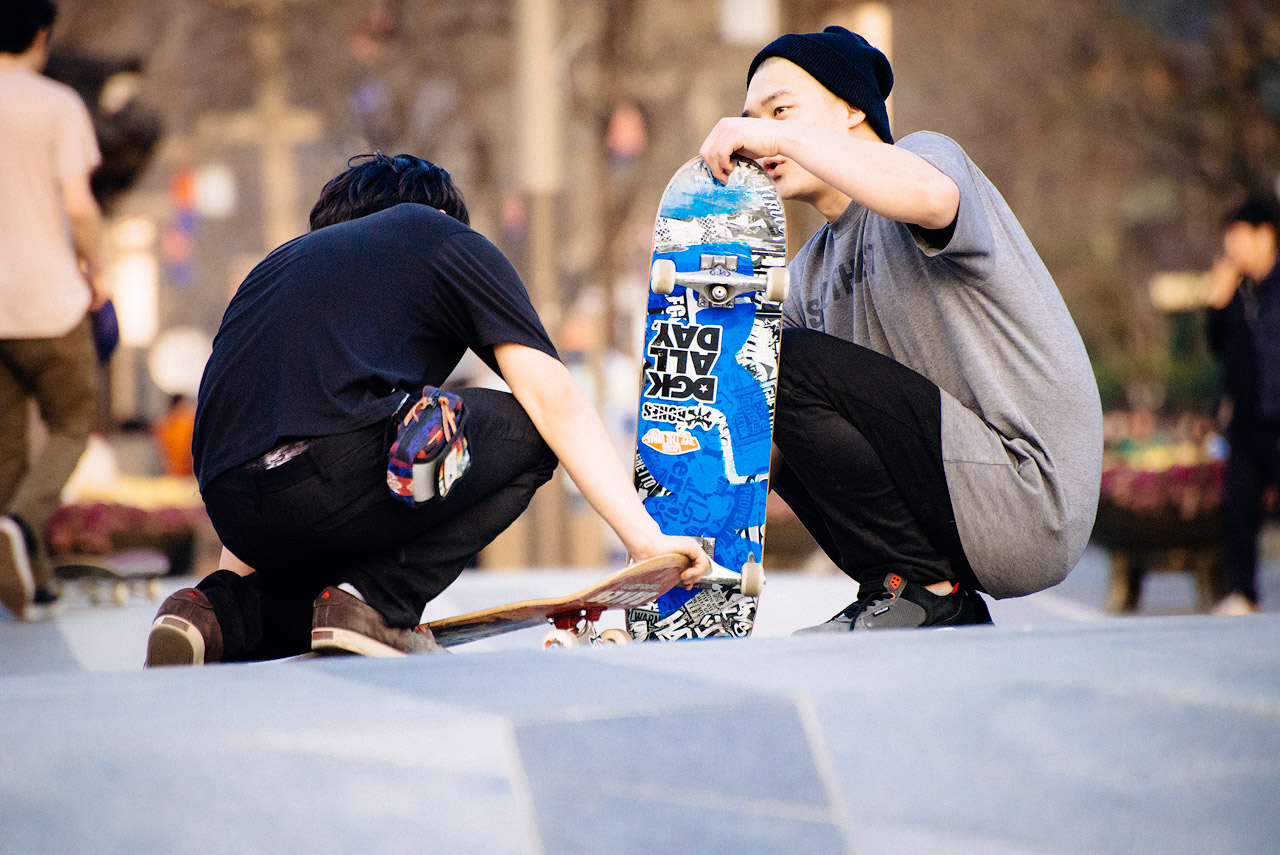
{"x": 1257, "y": 210}
{"x": 374, "y": 182}
{"x": 20, "y": 22}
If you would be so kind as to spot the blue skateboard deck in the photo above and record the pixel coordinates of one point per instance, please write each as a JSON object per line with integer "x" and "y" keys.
{"x": 709, "y": 385}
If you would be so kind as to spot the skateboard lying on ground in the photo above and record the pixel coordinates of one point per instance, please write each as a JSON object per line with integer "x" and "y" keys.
{"x": 574, "y": 616}
{"x": 708, "y": 390}
{"x": 114, "y": 576}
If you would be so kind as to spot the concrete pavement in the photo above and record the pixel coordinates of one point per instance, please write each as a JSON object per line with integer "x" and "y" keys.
{"x": 1058, "y": 730}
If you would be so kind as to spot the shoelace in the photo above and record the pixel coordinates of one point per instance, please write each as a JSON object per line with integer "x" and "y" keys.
{"x": 866, "y": 602}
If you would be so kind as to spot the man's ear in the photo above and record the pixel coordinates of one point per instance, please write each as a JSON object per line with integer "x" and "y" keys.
{"x": 854, "y": 116}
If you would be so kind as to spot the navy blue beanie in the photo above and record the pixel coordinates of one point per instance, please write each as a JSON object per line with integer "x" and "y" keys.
{"x": 845, "y": 63}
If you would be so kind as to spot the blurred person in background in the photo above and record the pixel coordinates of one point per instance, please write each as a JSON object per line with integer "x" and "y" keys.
{"x": 172, "y": 433}
{"x": 938, "y": 423}
{"x": 50, "y": 278}
{"x": 1244, "y": 332}
{"x": 321, "y": 357}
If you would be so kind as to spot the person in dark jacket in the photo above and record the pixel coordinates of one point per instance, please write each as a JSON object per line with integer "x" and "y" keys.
{"x": 1244, "y": 332}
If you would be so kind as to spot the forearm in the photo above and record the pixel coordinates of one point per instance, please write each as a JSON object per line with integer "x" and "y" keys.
{"x": 570, "y": 426}
{"x": 85, "y": 218}
{"x": 86, "y": 238}
{"x": 587, "y": 453}
{"x": 889, "y": 181}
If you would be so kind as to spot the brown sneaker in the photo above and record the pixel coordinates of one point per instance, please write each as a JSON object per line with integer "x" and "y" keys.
{"x": 343, "y": 622}
{"x": 185, "y": 631}
{"x": 17, "y": 585}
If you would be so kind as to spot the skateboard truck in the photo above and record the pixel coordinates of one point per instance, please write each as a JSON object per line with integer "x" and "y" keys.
{"x": 577, "y": 627}
{"x": 750, "y": 580}
{"x": 718, "y": 283}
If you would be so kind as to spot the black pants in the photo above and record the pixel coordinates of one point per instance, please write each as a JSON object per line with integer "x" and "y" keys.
{"x": 326, "y": 517}
{"x": 1253, "y": 465}
{"x": 861, "y": 440}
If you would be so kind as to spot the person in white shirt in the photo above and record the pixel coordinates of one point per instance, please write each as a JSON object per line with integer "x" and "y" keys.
{"x": 50, "y": 278}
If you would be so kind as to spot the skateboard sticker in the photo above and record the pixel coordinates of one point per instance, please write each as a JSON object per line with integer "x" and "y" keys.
{"x": 717, "y": 612}
{"x": 682, "y": 359}
{"x": 670, "y": 441}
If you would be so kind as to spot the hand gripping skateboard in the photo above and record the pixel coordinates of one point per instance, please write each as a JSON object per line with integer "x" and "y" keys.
{"x": 708, "y": 390}
{"x": 574, "y": 616}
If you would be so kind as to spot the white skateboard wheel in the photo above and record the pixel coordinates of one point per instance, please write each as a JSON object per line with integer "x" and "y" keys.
{"x": 777, "y": 284}
{"x": 615, "y": 636}
{"x": 560, "y": 638}
{"x": 752, "y": 578}
{"x": 120, "y": 593}
{"x": 662, "y": 277}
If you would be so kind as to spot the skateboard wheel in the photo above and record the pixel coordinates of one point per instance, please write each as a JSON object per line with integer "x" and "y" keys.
{"x": 120, "y": 593}
{"x": 777, "y": 284}
{"x": 662, "y": 277}
{"x": 560, "y": 638}
{"x": 752, "y": 578}
{"x": 153, "y": 589}
{"x": 615, "y": 636}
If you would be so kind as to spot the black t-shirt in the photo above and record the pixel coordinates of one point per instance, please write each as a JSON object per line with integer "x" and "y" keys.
{"x": 327, "y": 333}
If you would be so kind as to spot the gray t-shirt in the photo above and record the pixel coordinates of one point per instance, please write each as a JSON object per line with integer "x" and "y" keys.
{"x": 982, "y": 318}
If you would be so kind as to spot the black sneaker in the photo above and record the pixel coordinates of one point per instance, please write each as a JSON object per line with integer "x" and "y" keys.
{"x": 900, "y": 604}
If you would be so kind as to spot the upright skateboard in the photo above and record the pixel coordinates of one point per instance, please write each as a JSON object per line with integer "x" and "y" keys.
{"x": 708, "y": 390}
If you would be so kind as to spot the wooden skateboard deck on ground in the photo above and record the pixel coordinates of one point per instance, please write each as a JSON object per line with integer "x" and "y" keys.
{"x": 113, "y": 576}
{"x": 709, "y": 386}
{"x": 575, "y": 614}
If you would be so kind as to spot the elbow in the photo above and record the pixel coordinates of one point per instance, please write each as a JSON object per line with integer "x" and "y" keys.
{"x": 939, "y": 203}
{"x": 83, "y": 216}
{"x": 79, "y": 203}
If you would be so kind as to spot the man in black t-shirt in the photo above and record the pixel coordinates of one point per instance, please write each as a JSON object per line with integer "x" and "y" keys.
{"x": 319, "y": 348}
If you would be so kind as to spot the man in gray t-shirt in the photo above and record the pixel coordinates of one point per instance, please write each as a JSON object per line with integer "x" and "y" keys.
{"x": 938, "y": 422}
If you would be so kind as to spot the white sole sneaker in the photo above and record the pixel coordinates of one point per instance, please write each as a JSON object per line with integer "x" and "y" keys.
{"x": 174, "y": 641}
{"x": 1234, "y": 605}
{"x": 345, "y": 640}
{"x": 17, "y": 585}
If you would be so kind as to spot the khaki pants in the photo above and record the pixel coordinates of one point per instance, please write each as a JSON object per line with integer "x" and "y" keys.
{"x": 59, "y": 373}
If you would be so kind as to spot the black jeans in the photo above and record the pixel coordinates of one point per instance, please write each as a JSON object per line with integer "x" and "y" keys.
{"x": 1253, "y": 465}
{"x": 326, "y": 517}
{"x": 861, "y": 440}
